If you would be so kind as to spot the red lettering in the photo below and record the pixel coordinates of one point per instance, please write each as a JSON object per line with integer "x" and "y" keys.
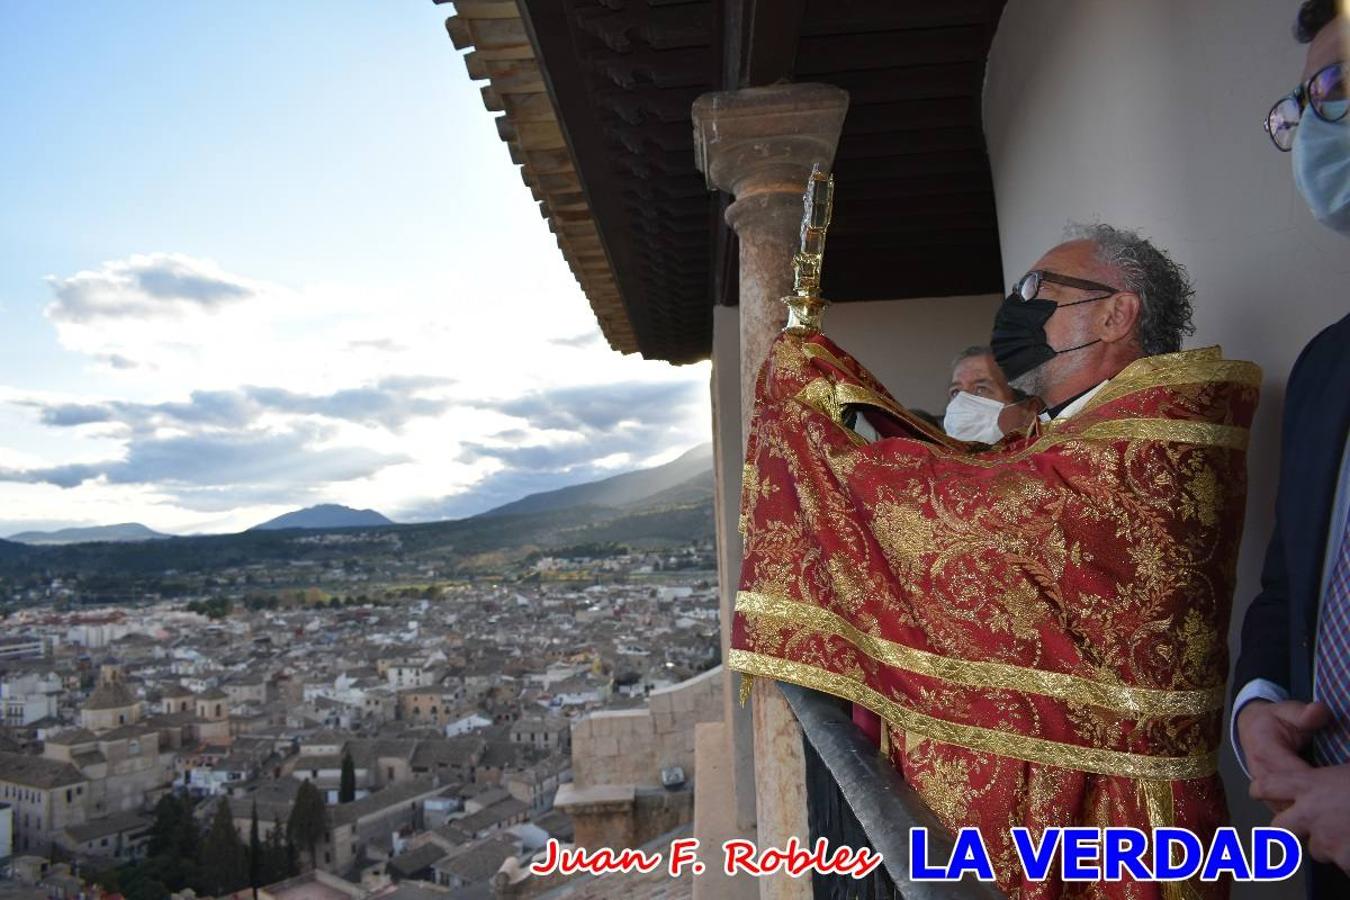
{"x": 681, "y": 855}
{"x": 549, "y": 862}
{"x": 570, "y": 862}
{"x": 801, "y": 860}
{"x": 794, "y": 859}
{"x": 598, "y": 862}
{"x": 865, "y": 863}
{"x": 739, "y": 855}
{"x": 638, "y": 860}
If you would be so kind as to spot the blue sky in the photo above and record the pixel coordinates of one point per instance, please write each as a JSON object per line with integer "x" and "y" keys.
{"x": 263, "y": 255}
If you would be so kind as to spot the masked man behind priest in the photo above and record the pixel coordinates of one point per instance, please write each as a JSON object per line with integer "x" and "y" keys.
{"x": 1039, "y": 625}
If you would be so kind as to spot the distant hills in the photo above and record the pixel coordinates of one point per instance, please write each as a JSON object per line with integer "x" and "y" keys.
{"x": 665, "y": 506}
{"x": 127, "y": 531}
{"x": 687, "y": 477}
{"x": 325, "y": 515}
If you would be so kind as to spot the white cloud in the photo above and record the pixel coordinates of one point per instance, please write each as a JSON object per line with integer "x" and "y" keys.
{"x": 144, "y": 286}
{"x": 216, "y": 399}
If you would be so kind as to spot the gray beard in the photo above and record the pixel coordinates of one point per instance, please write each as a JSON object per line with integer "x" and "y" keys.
{"x": 1032, "y": 383}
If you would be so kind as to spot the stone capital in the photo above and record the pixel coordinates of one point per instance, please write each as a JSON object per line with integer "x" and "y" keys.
{"x": 766, "y": 139}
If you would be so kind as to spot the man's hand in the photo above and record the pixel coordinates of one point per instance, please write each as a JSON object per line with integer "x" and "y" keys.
{"x": 1317, "y": 809}
{"x": 1271, "y": 735}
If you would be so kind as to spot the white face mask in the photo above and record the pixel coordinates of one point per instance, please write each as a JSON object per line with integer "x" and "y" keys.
{"x": 1322, "y": 169}
{"x": 972, "y": 418}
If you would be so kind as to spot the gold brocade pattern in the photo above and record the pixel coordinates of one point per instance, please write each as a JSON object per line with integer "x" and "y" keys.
{"x": 1170, "y": 431}
{"x": 1157, "y": 799}
{"x": 1039, "y": 624}
{"x": 1015, "y": 746}
{"x": 1120, "y": 698}
{"x": 1171, "y": 369}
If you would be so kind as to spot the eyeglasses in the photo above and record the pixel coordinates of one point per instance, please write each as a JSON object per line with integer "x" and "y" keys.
{"x": 1029, "y": 285}
{"x": 1324, "y": 92}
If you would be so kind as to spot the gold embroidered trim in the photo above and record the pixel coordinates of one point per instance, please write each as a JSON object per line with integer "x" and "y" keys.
{"x": 818, "y": 395}
{"x": 1156, "y": 797}
{"x": 1174, "y": 431}
{"x": 846, "y": 394}
{"x": 1185, "y": 367}
{"x": 816, "y": 351}
{"x": 973, "y": 737}
{"x": 1133, "y": 701}
{"x": 856, "y": 393}
{"x": 1157, "y": 800}
{"x": 1205, "y": 364}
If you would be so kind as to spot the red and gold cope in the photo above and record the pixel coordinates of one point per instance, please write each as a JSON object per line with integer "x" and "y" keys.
{"x": 1041, "y": 625}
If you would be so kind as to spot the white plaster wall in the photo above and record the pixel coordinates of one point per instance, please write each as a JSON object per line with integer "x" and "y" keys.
{"x": 909, "y": 344}
{"x": 1148, "y": 114}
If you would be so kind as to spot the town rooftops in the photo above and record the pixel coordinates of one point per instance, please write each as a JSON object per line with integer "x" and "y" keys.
{"x": 127, "y": 732}
{"x": 420, "y": 890}
{"x": 550, "y": 724}
{"x": 37, "y": 771}
{"x": 314, "y": 885}
{"x": 117, "y": 823}
{"x": 86, "y": 758}
{"x": 409, "y": 864}
{"x": 393, "y": 795}
{"x": 110, "y": 695}
{"x": 71, "y": 737}
{"x": 493, "y": 817}
{"x": 478, "y": 861}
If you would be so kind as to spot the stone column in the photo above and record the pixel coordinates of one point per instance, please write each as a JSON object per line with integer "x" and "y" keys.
{"x": 759, "y": 144}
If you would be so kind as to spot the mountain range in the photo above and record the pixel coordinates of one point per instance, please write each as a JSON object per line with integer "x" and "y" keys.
{"x": 127, "y": 531}
{"x": 691, "y": 472}
{"x": 325, "y": 515}
{"x": 665, "y": 505}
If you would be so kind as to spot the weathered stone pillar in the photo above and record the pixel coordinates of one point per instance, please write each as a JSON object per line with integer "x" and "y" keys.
{"x": 759, "y": 144}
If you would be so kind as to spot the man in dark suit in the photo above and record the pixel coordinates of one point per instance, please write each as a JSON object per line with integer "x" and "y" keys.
{"x": 1291, "y": 710}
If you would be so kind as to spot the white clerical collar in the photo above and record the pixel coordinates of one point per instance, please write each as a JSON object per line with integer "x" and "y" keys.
{"x": 1080, "y": 402}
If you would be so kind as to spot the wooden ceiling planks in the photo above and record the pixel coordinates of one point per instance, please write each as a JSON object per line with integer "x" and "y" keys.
{"x": 595, "y": 97}
{"x": 503, "y": 54}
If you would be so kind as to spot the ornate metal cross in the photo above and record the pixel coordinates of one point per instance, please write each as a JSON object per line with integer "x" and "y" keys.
{"x": 805, "y": 305}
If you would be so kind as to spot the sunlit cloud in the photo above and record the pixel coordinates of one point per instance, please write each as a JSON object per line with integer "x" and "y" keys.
{"x": 222, "y": 399}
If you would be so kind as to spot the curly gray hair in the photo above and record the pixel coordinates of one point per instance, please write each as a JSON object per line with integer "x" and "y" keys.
{"x": 1163, "y": 287}
{"x": 1313, "y": 16}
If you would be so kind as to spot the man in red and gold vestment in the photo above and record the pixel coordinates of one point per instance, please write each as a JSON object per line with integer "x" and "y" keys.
{"x": 1040, "y": 625}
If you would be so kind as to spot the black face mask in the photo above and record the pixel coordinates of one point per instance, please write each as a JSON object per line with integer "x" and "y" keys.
{"x": 1019, "y": 342}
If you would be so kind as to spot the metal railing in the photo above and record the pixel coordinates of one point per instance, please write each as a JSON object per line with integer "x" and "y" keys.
{"x": 856, "y": 798}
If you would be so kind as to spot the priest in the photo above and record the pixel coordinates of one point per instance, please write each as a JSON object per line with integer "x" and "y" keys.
{"x": 1037, "y": 626}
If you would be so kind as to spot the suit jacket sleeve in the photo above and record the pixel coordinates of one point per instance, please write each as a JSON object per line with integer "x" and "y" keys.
{"x": 1265, "y": 631}
{"x": 1264, "y": 652}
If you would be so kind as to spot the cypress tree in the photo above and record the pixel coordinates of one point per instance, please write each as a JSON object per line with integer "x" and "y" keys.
{"x": 279, "y": 855}
{"x": 256, "y": 854}
{"x": 308, "y": 821}
{"x": 224, "y": 868}
{"x": 347, "y": 787}
{"x": 166, "y": 833}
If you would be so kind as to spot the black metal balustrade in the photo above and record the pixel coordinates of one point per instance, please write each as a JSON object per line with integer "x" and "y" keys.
{"x": 856, "y": 798}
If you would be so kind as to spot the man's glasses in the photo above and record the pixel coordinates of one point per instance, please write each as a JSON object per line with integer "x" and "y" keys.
{"x": 1324, "y": 93}
{"x": 1029, "y": 285}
